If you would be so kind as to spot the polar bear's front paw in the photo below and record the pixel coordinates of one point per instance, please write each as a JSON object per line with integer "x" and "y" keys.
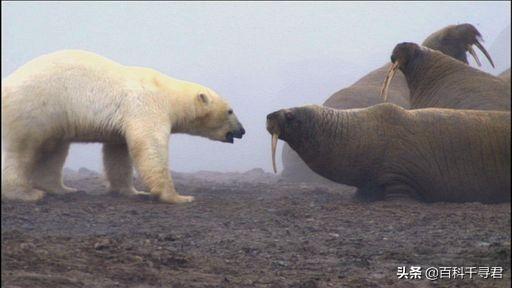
{"x": 64, "y": 190}
{"x": 129, "y": 192}
{"x": 31, "y": 195}
{"x": 55, "y": 188}
{"x": 140, "y": 193}
{"x": 176, "y": 198}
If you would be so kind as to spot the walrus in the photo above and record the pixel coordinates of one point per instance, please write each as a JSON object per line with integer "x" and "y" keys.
{"x": 454, "y": 40}
{"x": 505, "y": 75}
{"x": 437, "y": 80}
{"x": 432, "y": 154}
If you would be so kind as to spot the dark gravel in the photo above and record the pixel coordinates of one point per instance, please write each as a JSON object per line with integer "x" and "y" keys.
{"x": 245, "y": 230}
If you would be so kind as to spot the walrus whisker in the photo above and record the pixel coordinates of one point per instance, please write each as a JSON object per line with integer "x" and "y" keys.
{"x": 274, "y": 146}
{"x": 473, "y": 53}
{"x": 387, "y": 81}
{"x": 481, "y": 47}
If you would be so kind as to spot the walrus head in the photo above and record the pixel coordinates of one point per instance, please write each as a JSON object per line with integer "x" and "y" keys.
{"x": 400, "y": 58}
{"x": 405, "y": 53}
{"x": 456, "y": 40}
{"x": 289, "y": 125}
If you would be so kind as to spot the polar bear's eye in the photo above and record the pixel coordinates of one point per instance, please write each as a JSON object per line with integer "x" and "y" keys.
{"x": 230, "y": 111}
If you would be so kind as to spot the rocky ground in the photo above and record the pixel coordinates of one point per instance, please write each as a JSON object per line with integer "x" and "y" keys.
{"x": 245, "y": 230}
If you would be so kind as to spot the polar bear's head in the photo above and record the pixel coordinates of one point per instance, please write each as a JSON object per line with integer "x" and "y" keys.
{"x": 215, "y": 119}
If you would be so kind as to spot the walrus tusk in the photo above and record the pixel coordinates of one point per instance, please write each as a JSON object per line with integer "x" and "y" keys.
{"x": 274, "y": 146}
{"x": 479, "y": 45}
{"x": 472, "y": 52}
{"x": 387, "y": 81}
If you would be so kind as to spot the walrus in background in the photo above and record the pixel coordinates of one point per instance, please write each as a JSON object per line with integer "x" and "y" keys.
{"x": 505, "y": 75}
{"x": 434, "y": 154}
{"x": 454, "y": 40}
{"x": 437, "y": 80}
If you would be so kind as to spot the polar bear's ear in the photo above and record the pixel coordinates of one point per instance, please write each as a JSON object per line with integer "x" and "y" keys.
{"x": 203, "y": 98}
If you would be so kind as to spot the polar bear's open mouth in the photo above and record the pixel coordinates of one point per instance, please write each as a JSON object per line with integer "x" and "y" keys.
{"x": 229, "y": 137}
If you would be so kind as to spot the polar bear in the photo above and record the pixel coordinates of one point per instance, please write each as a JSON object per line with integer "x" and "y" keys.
{"x": 78, "y": 96}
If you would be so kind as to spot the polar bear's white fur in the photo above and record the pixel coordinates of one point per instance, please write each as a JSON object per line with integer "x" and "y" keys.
{"x": 77, "y": 96}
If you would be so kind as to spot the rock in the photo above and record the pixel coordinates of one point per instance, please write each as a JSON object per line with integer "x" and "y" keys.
{"x": 280, "y": 263}
{"x": 102, "y": 244}
{"x": 483, "y": 244}
{"x": 86, "y": 172}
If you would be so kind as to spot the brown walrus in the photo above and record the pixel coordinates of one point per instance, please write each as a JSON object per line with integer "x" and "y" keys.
{"x": 437, "y": 80}
{"x": 434, "y": 154}
{"x": 454, "y": 40}
{"x": 505, "y": 75}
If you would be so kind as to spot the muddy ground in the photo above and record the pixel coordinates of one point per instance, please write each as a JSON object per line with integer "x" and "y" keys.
{"x": 245, "y": 230}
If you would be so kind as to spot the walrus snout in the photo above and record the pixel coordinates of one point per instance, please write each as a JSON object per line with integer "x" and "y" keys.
{"x": 471, "y": 36}
{"x": 402, "y": 53}
{"x": 275, "y": 121}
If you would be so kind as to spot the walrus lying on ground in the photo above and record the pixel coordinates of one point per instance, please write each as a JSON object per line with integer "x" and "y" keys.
{"x": 437, "y": 80}
{"x": 434, "y": 154}
{"x": 454, "y": 40}
{"x": 505, "y": 75}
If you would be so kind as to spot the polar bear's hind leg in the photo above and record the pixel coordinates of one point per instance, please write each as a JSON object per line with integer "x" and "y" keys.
{"x": 119, "y": 169}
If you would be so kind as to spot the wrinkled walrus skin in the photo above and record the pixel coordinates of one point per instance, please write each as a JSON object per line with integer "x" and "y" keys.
{"x": 437, "y": 80}
{"x": 452, "y": 40}
{"x": 505, "y": 75}
{"x": 434, "y": 154}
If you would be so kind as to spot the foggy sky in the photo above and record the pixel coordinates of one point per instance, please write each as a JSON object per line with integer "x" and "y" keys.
{"x": 259, "y": 56}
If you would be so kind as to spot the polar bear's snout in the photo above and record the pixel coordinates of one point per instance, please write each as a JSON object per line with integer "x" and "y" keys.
{"x": 238, "y": 133}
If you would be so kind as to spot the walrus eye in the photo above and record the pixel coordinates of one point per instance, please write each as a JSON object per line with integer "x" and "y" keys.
{"x": 230, "y": 111}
